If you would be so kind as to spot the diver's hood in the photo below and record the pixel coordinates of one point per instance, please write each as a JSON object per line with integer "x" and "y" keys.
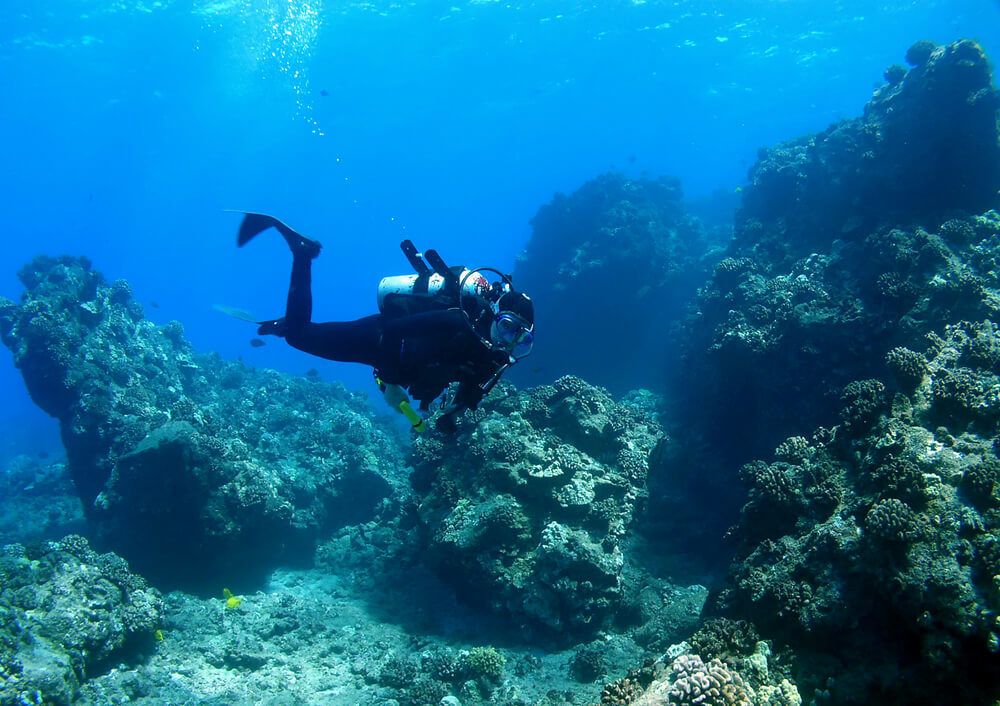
{"x": 517, "y": 303}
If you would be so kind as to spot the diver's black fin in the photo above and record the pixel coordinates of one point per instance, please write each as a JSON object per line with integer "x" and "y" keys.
{"x": 254, "y": 224}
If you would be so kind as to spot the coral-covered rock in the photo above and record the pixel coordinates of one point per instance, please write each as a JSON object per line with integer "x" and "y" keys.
{"x": 692, "y": 681}
{"x": 780, "y": 335}
{"x": 887, "y": 557}
{"x": 851, "y": 243}
{"x": 688, "y": 680}
{"x": 526, "y": 510}
{"x": 926, "y": 146}
{"x": 200, "y": 472}
{"x": 65, "y": 613}
{"x": 609, "y": 267}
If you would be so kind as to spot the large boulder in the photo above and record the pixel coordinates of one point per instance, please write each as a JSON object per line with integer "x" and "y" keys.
{"x": 201, "y": 472}
{"x": 527, "y": 508}
{"x": 66, "y": 614}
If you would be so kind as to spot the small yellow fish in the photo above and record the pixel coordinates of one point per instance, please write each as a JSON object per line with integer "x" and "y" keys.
{"x": 231, "y": 600}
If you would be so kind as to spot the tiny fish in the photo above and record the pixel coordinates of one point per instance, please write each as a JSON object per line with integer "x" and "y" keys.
{"x": 257, "y": 342}
{"x": 155, "y": 304}
{"x": 324, "y": 93}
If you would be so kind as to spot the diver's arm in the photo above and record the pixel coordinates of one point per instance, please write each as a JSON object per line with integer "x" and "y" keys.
{"x": 469, "y": 394}
{"x": 466, "y": 397}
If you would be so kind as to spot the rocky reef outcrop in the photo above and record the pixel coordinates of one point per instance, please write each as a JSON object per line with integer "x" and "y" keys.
{"x": 685, "y": 678}
{"x": 849, "y": 243}
{"x": 527, "y": 508}
{"x": 66, "y": 613}
{"x": 200, "y": 472}
{"x": 880, "y": 535}
{"x": 925, "y": 148}
{"x": 609, "y": 266}
{"x": 848, "y": 337}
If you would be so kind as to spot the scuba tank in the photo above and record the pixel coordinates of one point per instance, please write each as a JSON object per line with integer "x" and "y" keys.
{"x": 400, "y": 295}
{"x": 437, "y": 287}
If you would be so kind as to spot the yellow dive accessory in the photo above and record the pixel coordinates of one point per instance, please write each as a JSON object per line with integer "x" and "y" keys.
{"x": 397, "y": 398}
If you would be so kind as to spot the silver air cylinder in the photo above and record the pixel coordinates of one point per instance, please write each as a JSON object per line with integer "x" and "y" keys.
{"x": 473, "y": 285}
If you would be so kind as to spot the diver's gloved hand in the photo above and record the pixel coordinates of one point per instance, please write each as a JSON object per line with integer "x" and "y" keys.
{"x": 446, "y": 423}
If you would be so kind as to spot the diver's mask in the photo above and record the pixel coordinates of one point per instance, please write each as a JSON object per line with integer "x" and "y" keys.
{"x": 512, "y": 334}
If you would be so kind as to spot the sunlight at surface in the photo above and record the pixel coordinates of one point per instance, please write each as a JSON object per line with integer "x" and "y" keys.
{"x": 279, "y": 36}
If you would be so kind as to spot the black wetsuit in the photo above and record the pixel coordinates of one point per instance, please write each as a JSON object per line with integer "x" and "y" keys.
{"x": 422, "y": 352}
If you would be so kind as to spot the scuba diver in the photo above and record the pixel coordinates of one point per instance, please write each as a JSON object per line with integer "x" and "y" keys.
{"x": 438, "y": 326}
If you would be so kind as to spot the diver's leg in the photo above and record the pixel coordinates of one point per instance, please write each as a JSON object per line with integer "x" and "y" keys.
{"x": 298, "y": 306}
{"x": 344, "y": 341}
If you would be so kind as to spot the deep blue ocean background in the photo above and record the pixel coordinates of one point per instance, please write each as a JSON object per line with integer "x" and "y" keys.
{"x": 129, "y": 126}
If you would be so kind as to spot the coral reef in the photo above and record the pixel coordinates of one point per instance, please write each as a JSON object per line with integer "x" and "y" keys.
{"x": 851, "y": 327}
{"x": 687, "y": 679}
{"x": 692, "y": 681}
{"x": 850, "y": 243}
{"x": 905, "y": 497}
{"x": 66, "y": 613}
{"x": 317, "y": 637}
{"x": 527, "y": 507}
{"x": 200, "y": 472}
{"x": 925, "y": 147}
{"x": 615, "y": 250}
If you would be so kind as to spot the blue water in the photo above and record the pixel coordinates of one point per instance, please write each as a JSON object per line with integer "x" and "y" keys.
{"x": 129, "y": 126}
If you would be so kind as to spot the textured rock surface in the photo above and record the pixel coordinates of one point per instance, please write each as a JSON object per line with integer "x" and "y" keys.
{"x": 925, "y": 147}
{"x": 686, "y": 679}
{"x": 609, "y": 266}
{"x": 880, "y": 535}
{"x": 195, "y": 469}
{"x": 65, "y": 613}
{"x": 527, "y": 507}
{"x": 850, "y": 242}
